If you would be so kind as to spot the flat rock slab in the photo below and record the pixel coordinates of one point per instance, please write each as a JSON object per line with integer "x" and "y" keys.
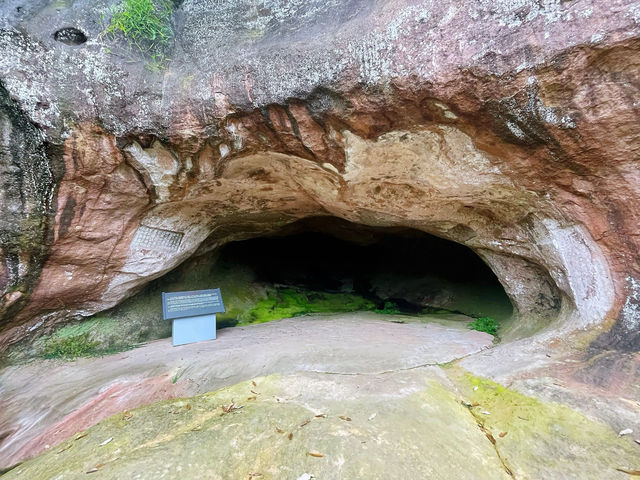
{"x": 402, "y": 425}
{"x": 410, "y": 424}
{"x": 45, "y": 402}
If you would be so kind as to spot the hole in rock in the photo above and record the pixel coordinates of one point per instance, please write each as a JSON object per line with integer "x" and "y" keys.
{"x": 317, "y": 265}
{"x": 404, "y": 269}
{"x": 70, "y": 36}
{"x": 324, "y": 264}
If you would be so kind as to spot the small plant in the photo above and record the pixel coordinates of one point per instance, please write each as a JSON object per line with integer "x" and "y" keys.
{"x": 146, "y": 25}
{"x": 389, "y": 308}
{"x": 71, "y": 347}
{"x": 485, "y": 324}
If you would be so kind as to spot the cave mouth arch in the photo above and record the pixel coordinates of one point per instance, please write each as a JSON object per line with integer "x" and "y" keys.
{"x": 408, "y": 269}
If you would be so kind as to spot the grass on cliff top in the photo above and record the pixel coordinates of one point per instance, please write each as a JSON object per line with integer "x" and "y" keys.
{"x": 146, "y": 25}
{"x": 288, "y": 302}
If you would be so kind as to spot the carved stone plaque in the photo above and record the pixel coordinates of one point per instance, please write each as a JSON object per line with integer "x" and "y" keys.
{"x": 157, "y": 239}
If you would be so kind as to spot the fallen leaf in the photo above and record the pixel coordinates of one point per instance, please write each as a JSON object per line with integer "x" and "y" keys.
{"x": 290, "y": 435}
{"x": 96, "y": 468}
{"x": 195, "y": 429}
{"x": 127, "y": 416}
{"x": 188, "y": 406}
{"x": 346, "y": 419}
{"x": 106, "y": 441}
{"x": 231, "y": 407}
{"x": 63, "y": 449}
{"x": 502, "y": 434}
{"x": 306, "y": 422}
{"x": 81, "y": 435}
{"x": 254, "y": 383}
{"x": 279, "y": 430}
{"x": 322, "y": 415}
{"x": 251, "y": 398}
{"x": 626, "y": 431}
{"x": 315, "y": 454}
{"x": 635, "y": 473}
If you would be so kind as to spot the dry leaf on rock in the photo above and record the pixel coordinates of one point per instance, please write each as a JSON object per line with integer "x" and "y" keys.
{"x": 96, "y": 468}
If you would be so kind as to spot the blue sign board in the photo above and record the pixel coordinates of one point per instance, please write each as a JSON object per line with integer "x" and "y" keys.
{"x": 193, "y": 314}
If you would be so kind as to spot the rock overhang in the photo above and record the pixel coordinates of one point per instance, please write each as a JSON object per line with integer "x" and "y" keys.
{"x": 286, "y": 103}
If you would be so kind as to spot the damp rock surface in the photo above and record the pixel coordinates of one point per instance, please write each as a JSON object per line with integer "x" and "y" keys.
{"x": 45, "y": 402}
{"x": 508, "y": 127}
{"x": 409, "y": 423}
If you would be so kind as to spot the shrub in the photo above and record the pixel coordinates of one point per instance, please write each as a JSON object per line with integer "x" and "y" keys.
{"x": 389, "y": 308}
{"x": 485, "y": 324}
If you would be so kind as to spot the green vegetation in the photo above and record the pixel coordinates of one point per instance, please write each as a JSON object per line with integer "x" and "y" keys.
{"x": 146, "y": 25}
{"x": 71, "y": 347}
{"x": 288, "y": 302}
{"x": 485, "y": 324}
{"x": 541, "y": 437}
{"x": 389, "y": 308}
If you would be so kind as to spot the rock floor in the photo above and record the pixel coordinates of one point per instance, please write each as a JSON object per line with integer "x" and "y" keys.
{"x": 340, "y": 397}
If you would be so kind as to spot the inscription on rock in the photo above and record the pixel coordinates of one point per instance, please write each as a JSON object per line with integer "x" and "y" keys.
{"x": 157, "y": 239}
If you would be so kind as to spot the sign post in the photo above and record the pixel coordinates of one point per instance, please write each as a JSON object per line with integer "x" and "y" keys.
{"x": 193, "y": 314}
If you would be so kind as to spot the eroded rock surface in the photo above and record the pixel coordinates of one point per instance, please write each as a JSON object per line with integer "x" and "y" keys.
{"x": 509, "y": 127}
{"x": 45, "y": 402}
{"x": 406, "y": 423}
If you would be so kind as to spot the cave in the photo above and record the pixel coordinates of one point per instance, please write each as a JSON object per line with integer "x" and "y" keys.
{"x": 329, "y": 265}
{"x": 405, "y": 269}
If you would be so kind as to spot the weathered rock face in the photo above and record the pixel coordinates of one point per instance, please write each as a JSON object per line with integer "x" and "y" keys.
{"x": 509, "y": 127}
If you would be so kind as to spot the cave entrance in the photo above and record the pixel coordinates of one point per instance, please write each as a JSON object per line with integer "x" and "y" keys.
{"x": 394, "y": 269}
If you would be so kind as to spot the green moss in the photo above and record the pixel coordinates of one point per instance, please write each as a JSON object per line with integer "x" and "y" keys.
{"x": 146, "y": 25}
{"x": 540, "y": 439}
{"x": 485, "y": 324}
{"x": 288, "y": 302}
{"x": 71, "y": 347}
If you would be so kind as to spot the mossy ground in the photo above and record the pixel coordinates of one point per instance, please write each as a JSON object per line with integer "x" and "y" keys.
{"x": 541, "y": 439}
{"x": 284, "y": 426}
{"x": 289, "y": 302}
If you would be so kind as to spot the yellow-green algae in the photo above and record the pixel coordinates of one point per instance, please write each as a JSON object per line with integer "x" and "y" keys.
{"x": 416, "y": 435}
{"x": 544, "y": 440}
{"x": 361, "y": 426}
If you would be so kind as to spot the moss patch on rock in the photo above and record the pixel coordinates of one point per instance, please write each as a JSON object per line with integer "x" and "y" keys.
{"x": 544, "y": 440}
{"x": 272, "y": 427}
{"x": 289, "y": 302}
